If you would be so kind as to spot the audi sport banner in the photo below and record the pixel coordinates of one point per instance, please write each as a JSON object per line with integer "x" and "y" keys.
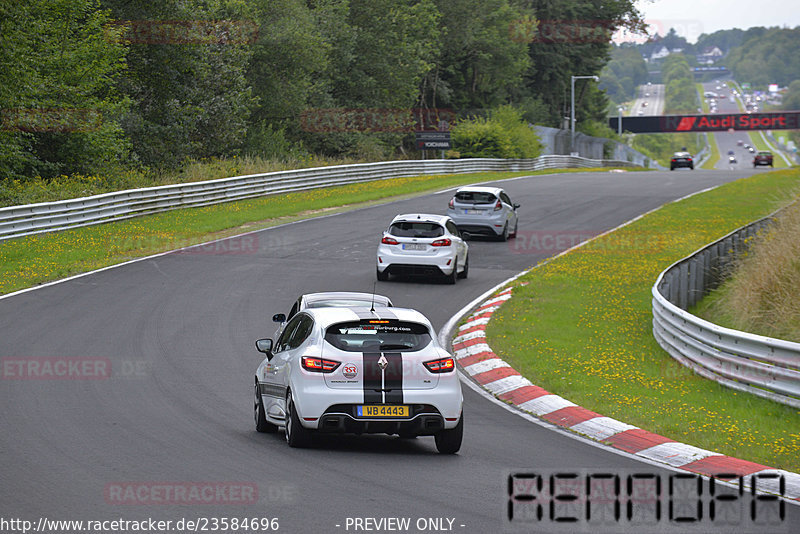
{"x": 785, "y": 120}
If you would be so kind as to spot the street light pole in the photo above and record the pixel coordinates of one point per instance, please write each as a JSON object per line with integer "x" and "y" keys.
{"x": 572, "y": 105}
{"x": 619, "y": 121}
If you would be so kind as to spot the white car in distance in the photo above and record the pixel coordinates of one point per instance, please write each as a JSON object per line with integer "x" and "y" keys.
{"x": 480, "y": 210}
{"x": 359, "y": 370}
{"x": 424, "y": 244}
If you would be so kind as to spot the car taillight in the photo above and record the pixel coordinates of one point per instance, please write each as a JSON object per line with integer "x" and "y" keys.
{"x": 452, "y": 203}
{"x": 444, "y": 365}
{"x": 389, "y": 241}
{"x": 319, "y": 365}
{"x": 498, "y": 206}
{"x": 442, "y": 243}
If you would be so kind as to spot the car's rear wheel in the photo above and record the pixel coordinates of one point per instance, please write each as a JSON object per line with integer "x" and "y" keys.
{"x": 465, "y": 272}
{"x": 262, "y": 425}
{"x": 449, "y": 441}
{"x": 296, "y": 434}
{"x": 382, "y": 276}
{"x": 452, "y": 277}
{"x": 504, "y": 235}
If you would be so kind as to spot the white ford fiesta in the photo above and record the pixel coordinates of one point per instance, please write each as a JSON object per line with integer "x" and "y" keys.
{"x": 420, "y": 243}
{"x": 359, "y": 370}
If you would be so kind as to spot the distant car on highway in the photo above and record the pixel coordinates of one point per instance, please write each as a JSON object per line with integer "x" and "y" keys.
{"x": 763, "y": 158}
{"x": 739, "y": 143}
{"x": 681, "y": 159}
{"x": 358, "y": 370}
{"x": 420, "y": 243}
{"x": 479, "y": 210}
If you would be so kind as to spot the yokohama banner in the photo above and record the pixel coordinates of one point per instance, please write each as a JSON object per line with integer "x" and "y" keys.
{"x": 784, "y": 120}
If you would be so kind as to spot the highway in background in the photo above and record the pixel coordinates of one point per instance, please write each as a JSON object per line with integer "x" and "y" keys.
{"x": 649, "y": 101}
{"x": 728, "y": 103}
{"x": 725, "y": 104}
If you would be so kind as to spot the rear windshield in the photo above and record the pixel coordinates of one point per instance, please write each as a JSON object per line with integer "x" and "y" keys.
{"x": 475, "y": 197}
{"x": 378, "y": 336}
{"x": 416, "y": 229}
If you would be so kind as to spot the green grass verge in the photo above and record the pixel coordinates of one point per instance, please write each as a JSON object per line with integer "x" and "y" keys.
{"x": 27, "y": 261}
{"x": 703, "y": 101}
{"x": 714, "y": 157}
{"x": 582, "y": 328}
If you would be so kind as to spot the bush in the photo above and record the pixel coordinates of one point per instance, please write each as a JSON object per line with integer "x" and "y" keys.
{"x": 503, "y": 135}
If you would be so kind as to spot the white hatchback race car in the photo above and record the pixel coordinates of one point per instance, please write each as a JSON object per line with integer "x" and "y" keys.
{"x": 420, "y": 243}
{"x": 487, "y": 211}
{"x": 359, "y": 370}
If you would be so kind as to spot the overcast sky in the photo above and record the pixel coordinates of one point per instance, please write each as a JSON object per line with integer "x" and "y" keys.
{"x": 690, "y": 18}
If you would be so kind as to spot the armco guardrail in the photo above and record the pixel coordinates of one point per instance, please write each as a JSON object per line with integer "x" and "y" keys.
{"x": 17, "y": 221}
{"x": 759, "y": 365}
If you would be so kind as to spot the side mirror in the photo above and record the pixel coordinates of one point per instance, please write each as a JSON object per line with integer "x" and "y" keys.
{"x": 279, "y": 318}
{"x": 516, "y": 206}
{"x": 466, "y": 236}
{"x": 265, "y": 346}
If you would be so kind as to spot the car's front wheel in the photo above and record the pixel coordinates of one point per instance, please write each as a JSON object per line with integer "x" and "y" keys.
{"x": 262, "y": 425}
{"x": 296, "y": 434}
{"x": 449, "y": 441}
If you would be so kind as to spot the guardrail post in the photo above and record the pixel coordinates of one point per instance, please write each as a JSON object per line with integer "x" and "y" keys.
{"x": 683, "y": 275}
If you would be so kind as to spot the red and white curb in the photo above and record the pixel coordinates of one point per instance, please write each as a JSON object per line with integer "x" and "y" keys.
{"x": 501, "y": 380}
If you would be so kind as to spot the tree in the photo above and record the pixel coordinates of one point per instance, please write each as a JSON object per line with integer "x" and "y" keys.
{"x": 288, "y": 60}
{"x": 791, "y": 100}
{"x": 482, "y": 59}
{"x": 186, "y": 77}
{"x": 573, "y": 39}
{"x": 381, "y": 50}
{"x": 766, "y": 56}
{"x": 623, "y": 73}
{"x": 61, "y": 111}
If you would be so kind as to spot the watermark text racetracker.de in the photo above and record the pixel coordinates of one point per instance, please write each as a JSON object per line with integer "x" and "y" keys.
{"x": 70, "y": 368}
{"x": 54, "y": 120}
{"x": 376, "y": 120}
{"x": 191, "y": 524}
{"x": 232, "y": 246}
{"x": 182, "y": 32}
{"x": 552, "y": 242}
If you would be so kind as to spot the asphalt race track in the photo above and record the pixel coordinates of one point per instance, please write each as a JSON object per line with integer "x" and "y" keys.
{"x": 178, "y": 330}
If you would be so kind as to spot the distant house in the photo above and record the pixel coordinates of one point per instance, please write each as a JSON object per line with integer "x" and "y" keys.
{"x": 710, "y": 55}
{"x": 659, "y": 53}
